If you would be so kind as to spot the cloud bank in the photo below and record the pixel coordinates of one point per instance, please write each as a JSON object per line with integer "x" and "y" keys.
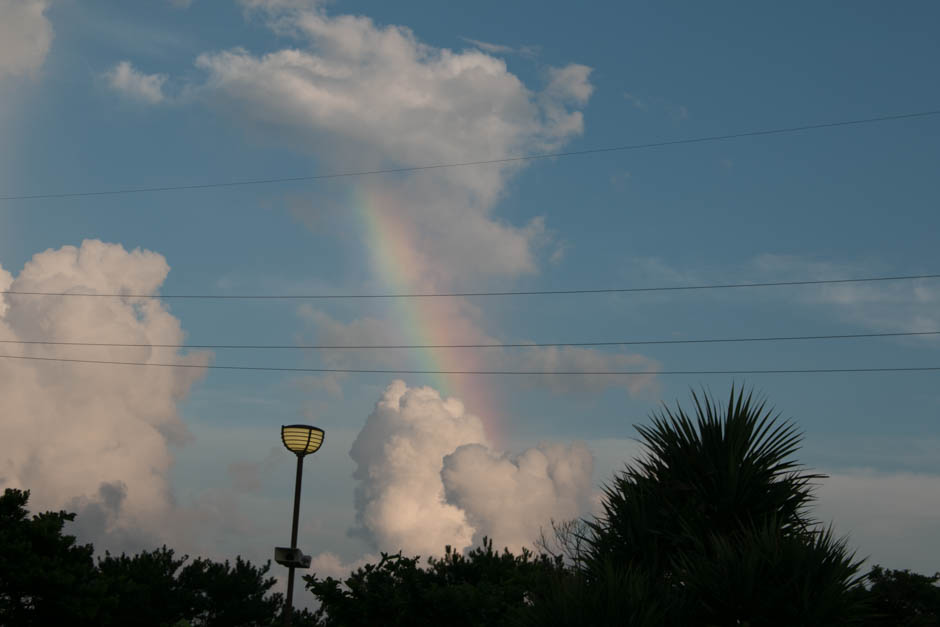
{"x": 95, "y": 437}
{"x": 428, "y": 478}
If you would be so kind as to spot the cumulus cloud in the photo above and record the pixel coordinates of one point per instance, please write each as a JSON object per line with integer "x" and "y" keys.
{"x": 130, "y": 82}
{"x": 361, "y": 95}
{"x": 99, "y": 521}
{"x": 399, "y": 455}
{"x": 428, "y": 478}
{"x": 25, "y": 36}
{"x": 96, "y": 433}
{"x": 365, "y": 96}
{"x": 511, "y": 498}
{"x": 331, "y": 565}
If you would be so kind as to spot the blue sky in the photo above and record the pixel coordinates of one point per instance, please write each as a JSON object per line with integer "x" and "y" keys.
{"x": 211, "y": 93}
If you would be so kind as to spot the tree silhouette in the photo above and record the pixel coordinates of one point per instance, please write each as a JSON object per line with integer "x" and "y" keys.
{"x": 900, "y": 598}
{"x": 45, "y": 577}
{"x": 482, "y": 588}
{"x": 142, "y": 588}
{"x": 712, "y": 526}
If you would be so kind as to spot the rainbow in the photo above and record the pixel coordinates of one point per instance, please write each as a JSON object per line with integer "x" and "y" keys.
{"x": 394, "y": 260}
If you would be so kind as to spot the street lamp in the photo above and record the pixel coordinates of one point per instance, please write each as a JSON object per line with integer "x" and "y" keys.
{"x": 301, "y": 440}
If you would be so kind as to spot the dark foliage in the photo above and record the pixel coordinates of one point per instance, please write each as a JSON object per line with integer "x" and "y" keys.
{"x": 613, "y": 596}
{"x": 229, "y": 594}
{"x": 483, "y": 587}
{"x": 142, "y": 588}
{"x": 759, "y": 576}
{"x": 714, "y": 521}
{"x": 46, "y": 579}
{"x": 900, "y": 598}
{"x": 711, "y": 528}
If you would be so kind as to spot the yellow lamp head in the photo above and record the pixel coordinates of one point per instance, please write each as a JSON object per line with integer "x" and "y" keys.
{"x": 301, "y": 439}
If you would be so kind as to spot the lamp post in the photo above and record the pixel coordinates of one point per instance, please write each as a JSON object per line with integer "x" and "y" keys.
{"x": 301, "y": 440}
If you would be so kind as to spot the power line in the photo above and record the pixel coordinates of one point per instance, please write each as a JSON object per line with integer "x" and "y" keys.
{"x": 780, "y": 338}
{"x": 438, "y": 166}
{"x": 484, "y": 372}
{"x": 614, "y": 290}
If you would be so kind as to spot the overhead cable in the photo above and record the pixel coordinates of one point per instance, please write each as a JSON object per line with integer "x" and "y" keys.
{"x": 612, "y": 290}
{"x": 724, "y": 340}
{"x": 458, "y": 164}
{"x": 401, "y": 371}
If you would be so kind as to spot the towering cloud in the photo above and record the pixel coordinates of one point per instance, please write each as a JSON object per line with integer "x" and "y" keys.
{"x": 364, "y": 96}
{"x": 25, "y": 36}
{"x": 428, "y": 478}
{"x": 511, "y": 498}
{"x": 87, "y": 436}
{"x": 399, "y": 454}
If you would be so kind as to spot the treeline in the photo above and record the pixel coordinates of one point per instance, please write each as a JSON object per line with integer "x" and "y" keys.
{"x": 711, "y": 527}
{"x": 46, "y": 578}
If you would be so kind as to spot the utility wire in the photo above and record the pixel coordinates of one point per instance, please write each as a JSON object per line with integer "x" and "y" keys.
{"x": 615, "y": 290}
{"x": 781, "y": 338}
{"x": 438, "y": 166}
{"x": 484, "y": 372}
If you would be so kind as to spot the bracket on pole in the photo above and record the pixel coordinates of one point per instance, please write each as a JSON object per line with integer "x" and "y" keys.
{"x": 292, "y": 558}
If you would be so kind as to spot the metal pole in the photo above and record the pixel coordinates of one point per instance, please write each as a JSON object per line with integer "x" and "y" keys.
{"x": 289, "y": 607}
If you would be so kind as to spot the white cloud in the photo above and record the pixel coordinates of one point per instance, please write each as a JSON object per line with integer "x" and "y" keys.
{"x": 491, "y": 48}
{"x": 331, "y": 565}
{"x": 25, "y": 36}
{"x": 427, "y": 478}
{"x": 364, "y": 96}
{"x": 512, "y": 498}
{"x": 570, "y": 84}
{"x": 399, "y": 455}
{"x": 125, "y": 79}
{"x": 96, "y": 433}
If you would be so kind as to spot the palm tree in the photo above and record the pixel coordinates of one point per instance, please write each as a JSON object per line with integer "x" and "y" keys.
{"x": 713, "y": 520}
